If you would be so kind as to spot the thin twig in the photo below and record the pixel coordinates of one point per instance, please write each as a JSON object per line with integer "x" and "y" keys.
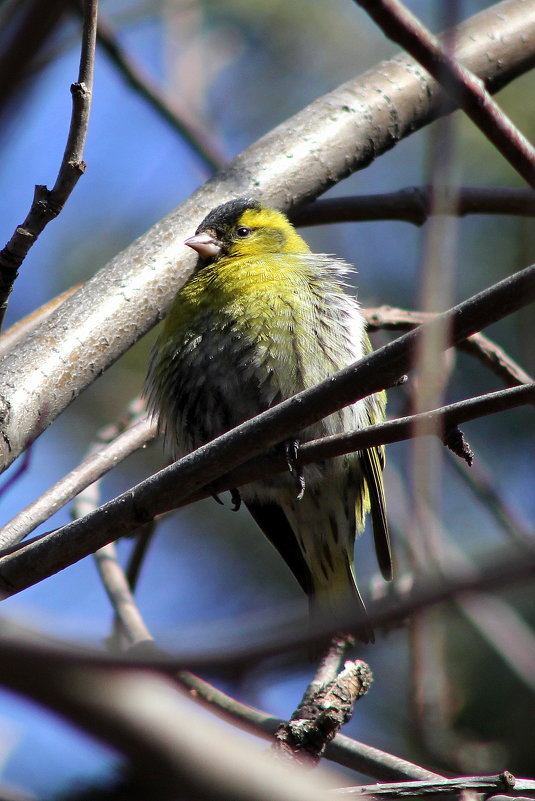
{"x": 139, "y": 551}
{"x": 77, "y": 480}
{"x": 413, "y": 205}
{"x": 47, "y": 203}
{"x": 467, "y": 90}
{"x": 131, "y": 622}
{"x": 437, "y": 789}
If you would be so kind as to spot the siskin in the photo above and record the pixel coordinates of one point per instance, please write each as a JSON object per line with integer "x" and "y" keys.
{"x": 261, "y": 319}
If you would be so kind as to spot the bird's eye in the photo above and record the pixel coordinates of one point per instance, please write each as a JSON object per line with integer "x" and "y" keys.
{"x": 242, "y": 232}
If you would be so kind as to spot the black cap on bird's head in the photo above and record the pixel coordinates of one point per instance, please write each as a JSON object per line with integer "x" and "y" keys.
{"x": 228, "y": 214}
{"x": 213, "y": 236}
{"x": 244, "y": 228}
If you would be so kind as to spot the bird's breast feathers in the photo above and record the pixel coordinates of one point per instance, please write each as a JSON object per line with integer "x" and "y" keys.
{"x": 257, "y": 331}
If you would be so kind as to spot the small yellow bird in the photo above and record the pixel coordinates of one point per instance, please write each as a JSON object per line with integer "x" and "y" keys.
{"x": 261, "y": 319}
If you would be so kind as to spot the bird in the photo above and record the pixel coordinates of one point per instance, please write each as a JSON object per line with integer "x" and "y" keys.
{"x": 262, "y": 318}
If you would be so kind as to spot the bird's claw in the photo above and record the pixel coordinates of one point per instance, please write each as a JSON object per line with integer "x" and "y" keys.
{"x": 235, "y": 497}
{"x": 296, "y": 470}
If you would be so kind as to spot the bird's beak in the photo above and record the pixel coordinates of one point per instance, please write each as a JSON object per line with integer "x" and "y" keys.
{"x": 206, "y": 245}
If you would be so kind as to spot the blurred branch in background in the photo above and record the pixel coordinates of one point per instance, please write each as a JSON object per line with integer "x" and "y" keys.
{"x": 170, "y": 109}
{"x": 25, "y": 28}
{"x": 413, "y": 205}
{"x": 466, "y": 89}
{"x": 479, "y": 479}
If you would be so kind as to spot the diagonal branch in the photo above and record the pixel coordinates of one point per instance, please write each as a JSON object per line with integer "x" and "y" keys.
{"x": 46, "y": 555}
{"x": 467, "y": 90}
{"x": 439, "y": 788}
{"x": 478, "y": 345}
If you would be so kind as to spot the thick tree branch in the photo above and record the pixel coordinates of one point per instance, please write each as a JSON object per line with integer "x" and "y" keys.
{"x": 323, "y": 143}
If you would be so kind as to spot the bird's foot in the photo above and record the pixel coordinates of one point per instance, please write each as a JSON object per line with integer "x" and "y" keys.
{"x": 235, "y": 497}
{"x": 291, "y": 449}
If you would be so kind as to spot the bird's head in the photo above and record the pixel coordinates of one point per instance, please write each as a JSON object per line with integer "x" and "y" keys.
{"x": 244, "y": 228}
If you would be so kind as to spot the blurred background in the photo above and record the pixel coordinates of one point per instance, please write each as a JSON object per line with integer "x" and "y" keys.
{"x": 240, "y": 68}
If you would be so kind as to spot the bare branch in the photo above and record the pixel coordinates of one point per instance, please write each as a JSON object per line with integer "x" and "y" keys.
{"x": 441, "y": 788}
{"x": 47, "y": 204}
{"x": 413, "y": 205}
{"x": 477, "y": 345}
{"x": 482, "y": 485}
{"x": 400, "y": 25}
{"x": 321, "y": 714}
{"x": 30, "y": 563}
{"x": 344, "y": 131}
{"x": 91, "y": 469}
{"x": 112, "y": 575}
{"x": 26, "y": 36}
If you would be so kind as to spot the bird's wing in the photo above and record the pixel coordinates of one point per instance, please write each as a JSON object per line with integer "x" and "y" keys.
{"x": 372, "y": 466}
{"x": 274, "y": 524}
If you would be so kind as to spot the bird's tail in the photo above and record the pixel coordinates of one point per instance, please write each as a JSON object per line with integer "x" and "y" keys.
{"x": 343, "y": 603}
